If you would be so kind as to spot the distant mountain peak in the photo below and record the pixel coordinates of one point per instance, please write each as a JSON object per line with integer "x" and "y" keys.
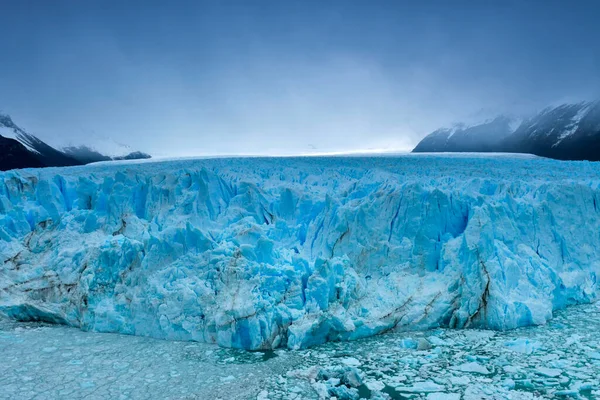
{"x": 468, "y": 138}
{"x": 21, "y": 149}
{"x": 563, "y": 131}
{"x": 105, "y": 145}
{"x": 9, "y": 130}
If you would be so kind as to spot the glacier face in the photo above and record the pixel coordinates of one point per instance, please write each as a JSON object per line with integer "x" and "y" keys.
{"x": 258, "y": 253}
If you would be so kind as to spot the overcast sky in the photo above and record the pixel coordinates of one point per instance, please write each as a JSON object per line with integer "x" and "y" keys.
{"x": 182, "y": 78}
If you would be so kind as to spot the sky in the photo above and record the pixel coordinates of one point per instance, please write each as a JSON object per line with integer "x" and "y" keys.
{"x": 184, "y": 78}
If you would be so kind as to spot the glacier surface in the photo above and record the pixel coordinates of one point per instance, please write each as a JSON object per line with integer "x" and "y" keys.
{"x": 259, "y": 253}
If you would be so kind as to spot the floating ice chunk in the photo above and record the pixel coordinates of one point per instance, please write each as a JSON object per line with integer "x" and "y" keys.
{"x": 351, "y": 362}
{"x": 549, "y": 372}
{"x": 573, "y": 339}
{"x": 472, "y": 367}
{"x": 443, "y": 396}
{"x": 460, "y": 380}
{"x": 436, "y": 341}
{"x": 374, "y": 385}
{"x": 508, "y": 383}
{"x": 333, "y": 382}
{"x": 263, "y": 395}
{"x": 321, "y": 389}
{"x": 511, "y": 369}
{"x": 478, "y": 335}
{"x": 567, "y": 393}
{"x": 408, "y": 343}
{"x": 421, "y": 387}
{"x": 525, "y": 346}
{"x": 423, "y": 344}
{"x": 343, "y": 392}
{"x": 594, "y": 355}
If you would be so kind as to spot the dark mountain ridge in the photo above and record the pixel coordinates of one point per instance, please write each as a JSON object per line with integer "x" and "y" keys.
{"x": 565, "y": 132}
{"x": 20, "y": 149}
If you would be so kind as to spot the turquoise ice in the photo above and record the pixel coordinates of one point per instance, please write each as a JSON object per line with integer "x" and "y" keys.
{"x": 259, "y": 253}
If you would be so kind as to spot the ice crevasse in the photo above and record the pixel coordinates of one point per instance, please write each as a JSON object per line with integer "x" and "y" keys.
{"x": 259, "y": 253}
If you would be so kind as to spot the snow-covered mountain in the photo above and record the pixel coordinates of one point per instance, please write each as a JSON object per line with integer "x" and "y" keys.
{"x": 102, "y": 148}
{"x": 463, "y": 138}
{"x": 25, "y": 150}
{"x": 566, "y": 132}
{"x": 87, "y": 154}
{"x": 20, "y": 149}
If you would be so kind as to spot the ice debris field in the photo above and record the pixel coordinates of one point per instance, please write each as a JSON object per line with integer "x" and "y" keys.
{"x": 558, "y": 360}
{"x": 264, "y": 253}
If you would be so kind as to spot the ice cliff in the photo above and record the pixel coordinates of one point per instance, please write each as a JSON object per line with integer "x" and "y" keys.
{"x": 263, "y": 253}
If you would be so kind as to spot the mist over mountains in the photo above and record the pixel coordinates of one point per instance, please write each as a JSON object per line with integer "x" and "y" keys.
{"x": 565, "y": 132}
{"x": 20, "y": 149}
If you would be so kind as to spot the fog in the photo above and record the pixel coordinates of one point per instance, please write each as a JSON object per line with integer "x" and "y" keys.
{"x": 294, "y": 77}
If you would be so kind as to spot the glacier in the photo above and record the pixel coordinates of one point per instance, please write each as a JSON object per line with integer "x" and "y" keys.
{"x": 261, "y": 253}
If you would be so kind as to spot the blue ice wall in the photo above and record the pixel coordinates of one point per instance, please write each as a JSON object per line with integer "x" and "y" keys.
{"x": 263, "y": 253}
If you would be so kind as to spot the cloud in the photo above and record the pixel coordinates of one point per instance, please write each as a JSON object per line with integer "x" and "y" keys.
{"x": 289, "y": 78}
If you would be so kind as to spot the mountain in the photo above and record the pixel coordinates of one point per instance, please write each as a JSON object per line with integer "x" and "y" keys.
{"x": 102, "y": 148}
{"x": 46, "y": 156}
{"x": 135, "y": 155}
{"x": 15, "y": 155}
{"x": 462, "y": 138}
{"x": 565, "y": 132}
{"x": 20, "y": 149}
{"x": 85, "y": 154}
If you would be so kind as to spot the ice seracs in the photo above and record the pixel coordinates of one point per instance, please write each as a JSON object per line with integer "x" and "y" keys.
{"x": 266, "y": 253}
